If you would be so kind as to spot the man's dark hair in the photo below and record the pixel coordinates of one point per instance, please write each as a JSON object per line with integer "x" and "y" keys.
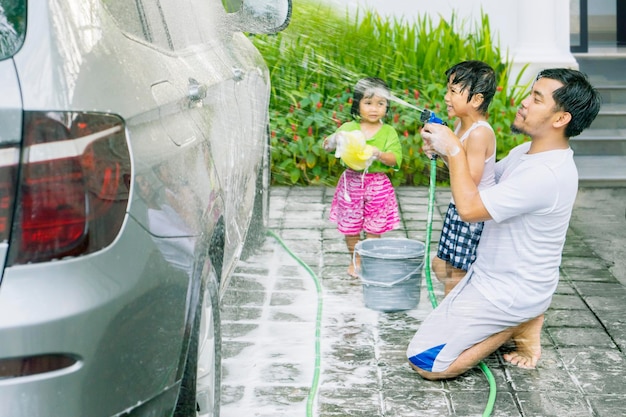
{"x": 368, "y": 87}
{"x": 577, "y": 97}
{"x": 476, "y": 76}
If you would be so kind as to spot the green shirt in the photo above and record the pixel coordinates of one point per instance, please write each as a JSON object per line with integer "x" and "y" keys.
{"x": 386, "y": 139}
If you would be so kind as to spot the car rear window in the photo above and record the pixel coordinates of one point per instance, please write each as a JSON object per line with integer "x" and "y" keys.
{"x": 12, "y": 26}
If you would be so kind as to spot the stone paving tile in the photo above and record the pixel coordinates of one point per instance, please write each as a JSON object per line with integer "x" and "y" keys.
{"x": 269, "y": 330}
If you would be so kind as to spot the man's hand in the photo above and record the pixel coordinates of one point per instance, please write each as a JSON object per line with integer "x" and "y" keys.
{"x": 440, "y": 139}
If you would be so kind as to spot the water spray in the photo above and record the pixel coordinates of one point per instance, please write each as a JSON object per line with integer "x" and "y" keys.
{"x": 426, "y": 116}
{"x": 369, "y": 88}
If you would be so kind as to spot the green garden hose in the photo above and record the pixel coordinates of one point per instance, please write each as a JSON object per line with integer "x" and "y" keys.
{"x": 429, "y": 284}
{"x": 318, "y": 325}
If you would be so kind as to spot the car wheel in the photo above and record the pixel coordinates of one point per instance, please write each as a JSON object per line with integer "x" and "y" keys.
{"x": 201, "y": 385}
{"x": 260, "y": 213}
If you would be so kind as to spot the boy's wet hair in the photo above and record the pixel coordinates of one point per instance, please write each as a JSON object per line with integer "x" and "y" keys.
{"x": 477, "y": 77}
{"x": 367, "y": 88}
{"x": 577, "y": 97}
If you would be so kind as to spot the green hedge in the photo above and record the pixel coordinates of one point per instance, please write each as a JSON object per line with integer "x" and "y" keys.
{"x": 315, "y": 62}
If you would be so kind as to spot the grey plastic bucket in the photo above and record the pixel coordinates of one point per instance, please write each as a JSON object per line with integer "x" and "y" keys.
{"x": 391, "y": 272}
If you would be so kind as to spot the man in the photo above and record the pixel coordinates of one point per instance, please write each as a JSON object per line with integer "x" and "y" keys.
{"x": 509, "y": 287}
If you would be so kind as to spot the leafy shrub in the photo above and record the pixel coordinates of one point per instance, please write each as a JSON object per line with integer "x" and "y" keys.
{"x": 316, "y": 61}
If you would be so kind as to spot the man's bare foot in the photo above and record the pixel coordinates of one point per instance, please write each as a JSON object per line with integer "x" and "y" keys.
{"x": 527, "y": 338}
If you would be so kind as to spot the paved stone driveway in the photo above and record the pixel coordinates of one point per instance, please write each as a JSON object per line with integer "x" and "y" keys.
{"x": 272, "y": 343}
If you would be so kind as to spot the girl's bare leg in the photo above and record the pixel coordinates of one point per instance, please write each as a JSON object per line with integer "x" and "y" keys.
{"x": 351, "y": 241}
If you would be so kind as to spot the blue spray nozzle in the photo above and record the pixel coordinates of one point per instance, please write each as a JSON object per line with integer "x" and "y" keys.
{"x": 428, "y": 116}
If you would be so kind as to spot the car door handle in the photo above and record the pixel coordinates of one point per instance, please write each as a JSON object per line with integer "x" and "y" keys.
{"x": 197, "y": 91}
{"x": 238, "y": 74}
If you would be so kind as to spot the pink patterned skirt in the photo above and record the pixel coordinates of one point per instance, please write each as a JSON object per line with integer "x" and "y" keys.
{"x": 364, "y": 201}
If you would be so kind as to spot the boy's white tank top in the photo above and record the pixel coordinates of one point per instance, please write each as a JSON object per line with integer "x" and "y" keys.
{"x": 489, "y": 172}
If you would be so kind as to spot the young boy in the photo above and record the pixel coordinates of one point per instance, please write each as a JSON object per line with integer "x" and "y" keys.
{"x": 471, "y": 87}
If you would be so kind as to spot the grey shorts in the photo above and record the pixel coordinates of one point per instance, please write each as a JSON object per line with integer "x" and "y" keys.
{"x": 464, "y": 318}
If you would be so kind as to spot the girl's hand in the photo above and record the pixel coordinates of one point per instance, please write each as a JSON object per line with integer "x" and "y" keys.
{"x": 330, "y": 143}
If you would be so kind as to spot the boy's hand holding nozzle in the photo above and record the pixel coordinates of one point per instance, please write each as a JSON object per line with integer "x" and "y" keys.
{"x": 439, "y": 139}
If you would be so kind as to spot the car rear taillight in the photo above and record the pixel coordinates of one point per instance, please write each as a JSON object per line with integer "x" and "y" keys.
{"x": 9, "y": 158}
{"x": 73, "y": 185}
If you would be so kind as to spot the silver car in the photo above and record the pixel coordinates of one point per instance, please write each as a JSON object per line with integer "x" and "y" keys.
{"x": 133, "y": 162}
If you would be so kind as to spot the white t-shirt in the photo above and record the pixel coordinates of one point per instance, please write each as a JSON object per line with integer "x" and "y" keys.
{"x": 519, "y": 254}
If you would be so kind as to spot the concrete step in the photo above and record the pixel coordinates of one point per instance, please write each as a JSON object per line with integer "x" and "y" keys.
{"x": 600, "y": 151}
{"x": 601, "y": 171}
{"x": 602, "y": 68}
{"x": 600, "y": 142}
{"x": 612, "y": 93}
{"x": 611, "y": 116}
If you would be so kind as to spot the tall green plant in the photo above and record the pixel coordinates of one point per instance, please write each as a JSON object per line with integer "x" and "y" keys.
{"x": 316, "y": 61}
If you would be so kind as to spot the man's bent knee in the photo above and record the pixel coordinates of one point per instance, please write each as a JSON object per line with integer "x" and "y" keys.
{"x": 433, "y": 376}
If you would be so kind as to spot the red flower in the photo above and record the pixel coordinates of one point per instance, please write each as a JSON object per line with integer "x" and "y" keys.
{"x": 319, "y": 105}
{"x": 396, "y": 117}
{"x": 310, "y": 131}
{"x": 512, "y": 102}
{"x": 296, "y": 138}
{"x": 406, "y": 133}
{"x": 350, "y": 100}
{"x": 499, "y": 88}
{"x": 416, "y": 94}
{"x": 294, "y": 127}
{"x": 273, "y": 133}
{"x": 291, "y": 109}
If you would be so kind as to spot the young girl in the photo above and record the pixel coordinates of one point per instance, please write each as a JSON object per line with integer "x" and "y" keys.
{"x": 365, "y": 199}
{"x": 471, "y": 87}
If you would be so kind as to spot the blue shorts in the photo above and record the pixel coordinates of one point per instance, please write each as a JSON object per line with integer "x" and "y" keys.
{"x": 459, "y": 239}
{"x": 464, "y": 318}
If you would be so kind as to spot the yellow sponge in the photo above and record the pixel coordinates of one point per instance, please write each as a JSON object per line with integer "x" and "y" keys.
{"x": 353, "y": 150}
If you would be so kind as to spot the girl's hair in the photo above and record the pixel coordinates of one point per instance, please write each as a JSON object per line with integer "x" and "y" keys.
{"x": 367, "y": 88}
{"x": 577, "y": 97}
{"x": 476, "y": 76}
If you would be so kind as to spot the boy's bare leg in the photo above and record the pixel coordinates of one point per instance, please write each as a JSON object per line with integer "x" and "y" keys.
{"x": 438, "y": 266}
{"x": 527, "y": 338}
{"x": 447, "y": 274}
{"x": 351, "y": 241}
{"x": 454, "y": 276}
